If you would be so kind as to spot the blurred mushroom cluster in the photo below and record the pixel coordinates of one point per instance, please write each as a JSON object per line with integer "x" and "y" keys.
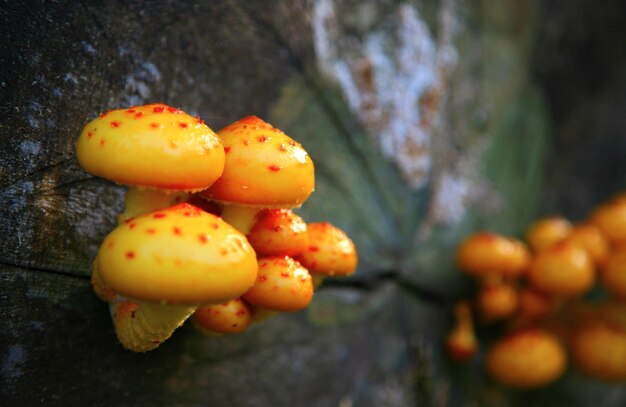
{"x": 560, "y": 296}
{"x": 208, "y": 230}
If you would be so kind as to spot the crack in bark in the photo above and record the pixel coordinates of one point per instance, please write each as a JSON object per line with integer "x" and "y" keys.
{"x": 9, "y": 264}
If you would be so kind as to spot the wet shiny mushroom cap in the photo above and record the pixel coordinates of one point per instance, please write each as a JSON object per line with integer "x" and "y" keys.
{"x": 177, "y": 255}
{"x": 230, "y": 317}
{"x": 278, "y": 232}
{"x": 282, "y": 284}
{"x": 154, "y": 146}
{"x": 264, "y": 167}
{"x": 330, "y": 251}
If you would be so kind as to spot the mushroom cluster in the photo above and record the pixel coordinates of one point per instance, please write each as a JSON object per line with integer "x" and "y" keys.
{"x": 536, "y": 292}
{"x": 208, "y": 228}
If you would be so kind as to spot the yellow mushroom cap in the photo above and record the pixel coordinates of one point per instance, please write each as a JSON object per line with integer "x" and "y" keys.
{"x": 177, "y": 255}
{"x": 151, "y": 146}
{"x": 282, "y": 284}
{"x": 330, "y": 251}
{"x": 264, "y": 167}
{"x": 527, "y": 359}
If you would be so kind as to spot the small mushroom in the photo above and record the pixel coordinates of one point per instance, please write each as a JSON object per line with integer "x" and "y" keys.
{"x": 278, "y": 232}
{"x": 589, "y": 237}
{"x": 610, "y": 217}
{"x": 461, "y": 342}
{"x": 546, "y": 232}
{"x": 158, "y": 151}
{"x": 487, "y": 255}
{"x": 264, "y": 168}
{"x": 564, "y": 269}
{"x": 599, "y": 349}
{"x": 613, "y": 276}
{"x": 231, "y": 317}
{"x": 527, "y": 359}
{"x": 497, "y": 301}
{"x": 282, "y": 284}
{"x": 169, "y": 262}
{"x": 330, "y": 252}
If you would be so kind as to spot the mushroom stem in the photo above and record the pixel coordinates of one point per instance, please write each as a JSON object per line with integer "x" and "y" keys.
{"x": 141, "y": 200}
{"x": 240, "y": 217}
{"x": 142, "y": 326}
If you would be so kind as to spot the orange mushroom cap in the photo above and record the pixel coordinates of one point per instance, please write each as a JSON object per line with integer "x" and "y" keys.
{"x": 548, "y": 231}
{"x": 282, "y": 284}
{"x": 564, "y": 269}
{"x": 153, "y": 146}
{"x": 527, "y": 359}
{"x": 599, "y": 349}
{"x": 610, "y": 217}
{"x": 231, "y": 317}
{"x": 497, "y": 301}
{"x": 278, "y": 232}
{"x": 613, "y": 276}
{"x": 177, "y": 255}
{"x": 486, "y": 254}
{"x": 330, "y": 251}
{"x": 264, "y": 167}
{"x": 589, "y": 236}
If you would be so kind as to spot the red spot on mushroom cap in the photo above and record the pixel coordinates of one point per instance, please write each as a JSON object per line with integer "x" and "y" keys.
{"x": 150, "y": 231}
{"x": 159, "y": 215}
{"x": 227, "y": 149}
{"x": 177, "y": 231}
{"x": 274, "y": 168}
{"x": 130, "y": 255}
{"x": 203, "y": 239}
{"x": 183, "y": 125}
{"x": 262, "y": 139}
{"x": 138, "y": 115}
{"x": 158, "y": 109}
{"x": 115, "y": 124}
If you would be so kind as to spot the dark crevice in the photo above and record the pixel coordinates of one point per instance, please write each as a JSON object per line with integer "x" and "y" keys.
{"x": 44, "y": 270}
{"x": 36, "y": 171}
{"x": 373, "y": 282}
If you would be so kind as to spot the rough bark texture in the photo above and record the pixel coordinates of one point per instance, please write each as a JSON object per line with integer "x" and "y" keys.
{"x": 466, "y": 105}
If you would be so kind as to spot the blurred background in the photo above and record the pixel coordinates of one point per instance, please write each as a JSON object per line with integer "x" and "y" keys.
{"x": 426, "y": 120}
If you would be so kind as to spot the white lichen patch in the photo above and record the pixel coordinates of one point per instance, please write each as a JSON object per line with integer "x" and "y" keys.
{"x": 138, "y": 83}
{"x": 393, "y": 77}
